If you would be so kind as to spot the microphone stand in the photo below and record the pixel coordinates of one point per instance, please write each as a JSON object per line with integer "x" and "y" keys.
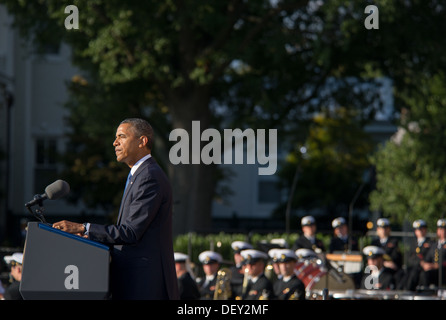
{"x": 38, "y": 213}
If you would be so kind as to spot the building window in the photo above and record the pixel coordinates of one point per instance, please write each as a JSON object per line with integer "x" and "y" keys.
{"x": 269, "y": 192}
{"x": 45, "y": 169}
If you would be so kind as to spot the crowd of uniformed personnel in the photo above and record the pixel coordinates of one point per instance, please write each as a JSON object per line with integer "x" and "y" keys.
{"x": 256, "y": 274}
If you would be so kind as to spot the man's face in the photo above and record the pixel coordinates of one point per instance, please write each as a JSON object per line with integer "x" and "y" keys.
{"x": 255, "y": 268}
{"x": 421, "y": 232}
{"x": 211, "y": 268}
{"x": 383, "y": 232}
{"x": 287, "y": 268}
{"x": 441, "y": 233}
{"x": 16, "y": 272}
{"x": 127, "y": 145}
{"x": 309, "y": 230}
{"x": 376, "y": 261}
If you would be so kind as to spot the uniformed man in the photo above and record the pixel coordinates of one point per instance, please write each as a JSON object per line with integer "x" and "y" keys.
{"x": 308, "y": 238}
{"x": 187, "y": 286}
{"x": 394, "y": 258}
{"x": 238, "y": 269}
{"x": 289, "y": 287}
{"x": 339, "y": 241}
{"x": 435, "y": 257}
{"x": 274, "y": 262}
{"x": 258, "y": 286}
{"x": 376, "y": 275}
{"x": 305, "y": 254}
{"x": 418, "y": 249}
{"x": 15, "y": 262}
{"x": 211, "y": 263}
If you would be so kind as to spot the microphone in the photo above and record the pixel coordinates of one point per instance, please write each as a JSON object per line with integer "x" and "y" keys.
{"x": 54, "y": 191}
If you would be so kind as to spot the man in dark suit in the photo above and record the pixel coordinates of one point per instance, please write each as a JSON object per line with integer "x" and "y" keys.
{"x": 142, "y": 265}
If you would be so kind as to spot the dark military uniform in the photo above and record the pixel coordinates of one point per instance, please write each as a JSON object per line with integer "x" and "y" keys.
{"x": 238, "y": 271}
{"x": 206, "y": 285}
{"x": 305, "y": 243}
{"x": 386, "y": 278}
{"x": 437, "y": 252}
{"x": 12, "y": 291}
{"x": 391, "y": 250}
{"x": 237, "y": 276}
{"x": 341, "y": 244}
{"x": 417, "y": 253}
{"x": 188, "y": 288}
{"x": 261, "y": 289}
{"x": 292, "y": 289}
{"x": 207, "y": 288}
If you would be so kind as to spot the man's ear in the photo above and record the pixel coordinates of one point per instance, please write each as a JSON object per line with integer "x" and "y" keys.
{"x": 144, "y": 142}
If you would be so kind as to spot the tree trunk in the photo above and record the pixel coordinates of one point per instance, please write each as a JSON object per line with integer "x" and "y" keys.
{"x": 193, "y": 184}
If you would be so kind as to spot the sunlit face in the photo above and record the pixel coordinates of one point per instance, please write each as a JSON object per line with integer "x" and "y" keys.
{"x": 421, "y": 232}
{"x": 376, "y": 261}
{"x": 256, "y": 268}
{"x": 341, "y": 231}
{"x": 210, "y": 268}
{"x": 309, "y": 230}
{"x": 383, "y": 232}
{"x": 128, "y": 147}
{"x": 441, "y": 233}
{"x": 287, "y": 268}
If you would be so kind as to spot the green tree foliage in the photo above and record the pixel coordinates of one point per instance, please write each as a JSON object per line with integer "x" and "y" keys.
{"x": 258, "y": 64}
{"x": 411, "y": 177}
{"x": 332, "y": 167}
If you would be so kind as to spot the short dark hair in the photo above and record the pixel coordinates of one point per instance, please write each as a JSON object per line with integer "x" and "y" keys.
{"x": 141, "y": 128}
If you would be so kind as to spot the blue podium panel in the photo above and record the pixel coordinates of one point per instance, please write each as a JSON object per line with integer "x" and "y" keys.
{"x": 62, "y": 266}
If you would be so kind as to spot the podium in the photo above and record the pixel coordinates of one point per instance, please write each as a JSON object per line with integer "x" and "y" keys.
{"x": 61, "y": 266}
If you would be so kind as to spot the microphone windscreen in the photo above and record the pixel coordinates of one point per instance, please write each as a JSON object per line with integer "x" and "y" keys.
{"x": 57, "y": 189}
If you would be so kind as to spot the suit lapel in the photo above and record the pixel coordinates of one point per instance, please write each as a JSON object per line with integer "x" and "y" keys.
{"x": 130, "y": 186}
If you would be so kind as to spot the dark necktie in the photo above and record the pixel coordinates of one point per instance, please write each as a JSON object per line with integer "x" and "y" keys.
{"x": 129, "y": 177}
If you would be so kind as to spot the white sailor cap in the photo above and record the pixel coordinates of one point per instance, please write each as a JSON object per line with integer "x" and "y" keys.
{"x": 383, "y": 222}
{"x": 285, "y": 255}
{"x": 180, "y": 257}
{"x": 304, "y": 253}
{"x": 207, "y": 257}
{"x": 238, "y": 246}
{"x": 373, "y": 251}
{"x": 307, "y": 221}
{"x": 417, "y": 224}
{"x": 338, "y": 222}
{"x": 441, "y": 223}
{"x": 251, "y": 256}
{"x": 281, "y": 242}
{"x": 16, "y": 257}
{"x": 274, "y": 254}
